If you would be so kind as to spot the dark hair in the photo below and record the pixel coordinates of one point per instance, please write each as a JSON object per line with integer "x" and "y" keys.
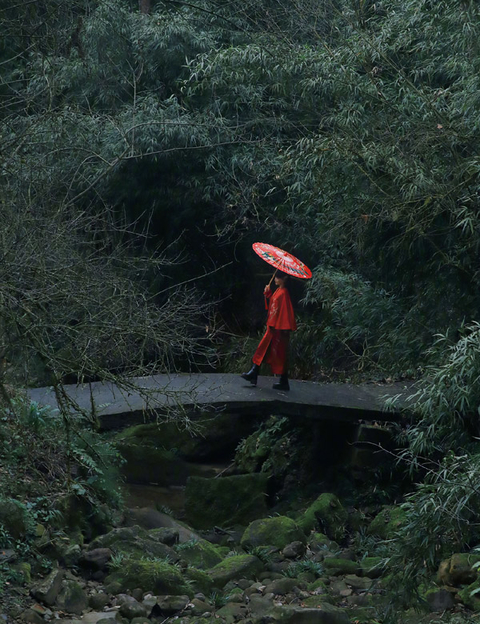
{"x": 281, "y": 275}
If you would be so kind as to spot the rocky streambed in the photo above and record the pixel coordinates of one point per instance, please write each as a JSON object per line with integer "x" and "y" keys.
{"x": 278, "y": 569}
{"x": 234, "y": 550}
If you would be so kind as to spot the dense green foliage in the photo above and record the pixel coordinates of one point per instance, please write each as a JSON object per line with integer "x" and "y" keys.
{"x": 56, "y": 483}
{"x": 346, "y": 131}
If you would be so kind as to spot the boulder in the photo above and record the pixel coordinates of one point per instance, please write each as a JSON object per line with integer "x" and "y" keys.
{"x": 166, "y": 535}
{"x": 71, "y": 555}
{"x": 148, "y": 518}
{"x": 48, "y": 589}
{"x": 318, "y": 587}
{"x": 337, "y": 566}
{"x": 320, "y": 542}
{"x": 362, "y": 583}
{"x": 238, "y": 566}
{"x": 260, "y": 605}
{"x": 134, "y": 541}
{"x": 169, "y": 605}
{"x": 439, "y": 599}
{"x": 232, "y": 612}
{"x": 338, "y": 587}
{"x": 95, "y": 559}
{"x": 225, "y": 501}
{"x": 121, "y": 534}
{"x": 470, "y": 596}
{"x": 282, "y": 586}
{"x": 199, "y": 607}
{"x": 199, "y": 554}
{"x": 72, "y": 598}
{"x": 294, "y": 550}
{"x": 198, "y": 580}
{"x": 458, "y": 570}
{"x": 133, "y": 609}
{"x": 278, "y": 531}
{"x": 386, "y": 524}
{"x": 32, "y": 617}
{"x": 158, "y": 577}
{"x": 99, "y": 601}
{"x": 327, "y": 513}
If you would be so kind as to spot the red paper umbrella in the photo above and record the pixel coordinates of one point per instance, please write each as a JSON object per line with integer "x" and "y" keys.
{"x": 282, "y": 260}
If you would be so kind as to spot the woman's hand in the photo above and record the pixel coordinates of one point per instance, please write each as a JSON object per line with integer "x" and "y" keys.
{"x": 267, "y": 290}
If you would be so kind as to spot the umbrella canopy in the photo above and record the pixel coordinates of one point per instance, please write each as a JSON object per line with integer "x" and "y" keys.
{"x": 282, "y": 260}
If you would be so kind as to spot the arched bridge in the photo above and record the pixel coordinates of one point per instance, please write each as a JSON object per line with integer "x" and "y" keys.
{"x": 117, "y": 406}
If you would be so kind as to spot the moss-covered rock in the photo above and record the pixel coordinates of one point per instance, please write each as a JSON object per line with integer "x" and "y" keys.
{"x": 232, "y": 612}
{"x": 282, "y": 586}
{"x": 470, "y": 596}
{"x": 373, "y": 567}
{"x": 47, "y": 589}
{"x": 166, "y": 535}
{"x": 458, "y": 570}
{"x": 72, "y": 598}
{"x": 318, "y": 541}
{"x": 386, "y": 524}
{"x": 199, "y": 554}
{"x": 158, "y": 577}
{"x": 327, "y": 513}
{"x": 277, "y": 531}
{"x": 199, "y": 581}
{"x": 226, "y": 501}
{"x": 313, "y": 601}
{"x": 318, "y": 584}
{"x": 238, "y": 566}
{"x": 334, "y": 565}
{"x": 134, "y": 541}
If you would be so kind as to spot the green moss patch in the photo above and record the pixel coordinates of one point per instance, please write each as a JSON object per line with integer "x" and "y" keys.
{"x": 326, "y": 513}
{"x": 199, "y": 554}
{"x": 199, "y": 581}
{"x": 334, "y": 565}
{"x": 158, "y": 577}
{"x": 278, "y": 531}
{"x": 239, "y": 566}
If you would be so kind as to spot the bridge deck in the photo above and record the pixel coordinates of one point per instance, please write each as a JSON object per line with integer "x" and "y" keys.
{"x": 118, "y": 407}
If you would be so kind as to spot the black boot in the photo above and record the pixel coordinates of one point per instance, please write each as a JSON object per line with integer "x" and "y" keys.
{"x": 252, "y": 375}
{"x": 282, "y": 384}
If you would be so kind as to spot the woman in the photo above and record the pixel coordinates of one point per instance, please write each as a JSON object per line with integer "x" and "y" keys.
{"x": 273, "y": 347}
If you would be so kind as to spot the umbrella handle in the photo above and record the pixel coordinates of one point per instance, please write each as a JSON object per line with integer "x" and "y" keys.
{"x": 271, "y": 279}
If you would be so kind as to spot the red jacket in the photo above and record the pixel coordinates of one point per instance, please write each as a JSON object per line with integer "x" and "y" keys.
{"x": 280, "y": 310}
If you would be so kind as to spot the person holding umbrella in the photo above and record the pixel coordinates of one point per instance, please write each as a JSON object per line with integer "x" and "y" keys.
{"x": 273, "y": 347}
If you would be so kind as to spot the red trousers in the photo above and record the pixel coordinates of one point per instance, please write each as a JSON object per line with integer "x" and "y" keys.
{"x": 273, "y": 349}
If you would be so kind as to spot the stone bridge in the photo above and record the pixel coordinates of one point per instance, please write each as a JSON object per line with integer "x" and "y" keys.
{"x": 116, "y": 406}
